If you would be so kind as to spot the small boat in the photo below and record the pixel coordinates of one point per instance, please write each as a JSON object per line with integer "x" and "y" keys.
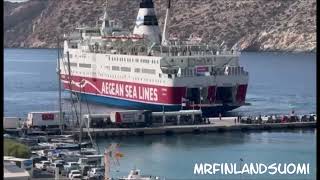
{"x": 135, "y": 174}
{"x": 113, "y": 154}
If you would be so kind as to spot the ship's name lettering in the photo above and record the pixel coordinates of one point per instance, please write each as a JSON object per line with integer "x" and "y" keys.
{"x": 130, "y": 91}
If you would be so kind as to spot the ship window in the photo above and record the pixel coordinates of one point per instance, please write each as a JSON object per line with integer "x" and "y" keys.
{"x": 71, "y": 64}
{"x": 149, "y": 71}
{"x": 137, "y": 70}
{"x": 115, "y": 68}
{"x": 84, "y": 65}
{"x": 126, "y": 69}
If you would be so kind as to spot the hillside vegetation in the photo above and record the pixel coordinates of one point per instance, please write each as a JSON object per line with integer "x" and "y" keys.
{"x": 258, "y": 25}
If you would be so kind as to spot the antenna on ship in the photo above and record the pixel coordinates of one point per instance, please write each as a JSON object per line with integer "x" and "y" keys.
{"x": 105, "y": 20}
{"x": 166, "y": 24}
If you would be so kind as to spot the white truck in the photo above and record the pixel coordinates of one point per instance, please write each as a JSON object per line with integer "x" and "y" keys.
{"x": 97, "y": 173}
{"x": 11, "y": 122}
{"x": 42, "y": 165}
{"x": 130, "y": 117}
{"x": 44, "y": 119}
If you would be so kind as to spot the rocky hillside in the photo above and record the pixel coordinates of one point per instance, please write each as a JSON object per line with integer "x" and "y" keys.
{"x": 258, "y": 25}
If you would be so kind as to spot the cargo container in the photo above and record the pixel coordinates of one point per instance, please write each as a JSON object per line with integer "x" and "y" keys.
{"x": 11, "y": 122}
{"x": 44, "y": 119}
{"x": 131, "y": 117}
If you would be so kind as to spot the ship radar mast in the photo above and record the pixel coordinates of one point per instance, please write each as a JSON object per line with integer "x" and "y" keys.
{"x": 105, "y": 20}
{"x": 165, "y": 41}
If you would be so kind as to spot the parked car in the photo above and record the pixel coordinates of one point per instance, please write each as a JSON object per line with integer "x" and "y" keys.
{"x": 85, "y": 169}
{"x": 313, "y": 117}
{"x": 284, "y": 119}
{"x": 60, "y": 162}
{"x": 265, "y": 119}
{"x": 305, "y": 118}
{"x": 52, "y": 167}
{"x": 70, "y": 166}
{"x": 42, "y": 165}
{"x": 293, "y": 118}
{"x": 245, "y": 120}
{"x": 74, "y": 174}
{"x": 96, "y": 173}
{"x": 37, "y": 159}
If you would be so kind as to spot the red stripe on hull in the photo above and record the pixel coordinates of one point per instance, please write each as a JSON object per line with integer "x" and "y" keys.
{"x": 140, "y": 92}
{"x": 127, "y": 90}
{"x": 241, "y": 93}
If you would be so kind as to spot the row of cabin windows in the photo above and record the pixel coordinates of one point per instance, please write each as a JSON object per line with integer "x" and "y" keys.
{"x": 124, "y": 77}
{"x": 120, "y": 59}
{"x": 136, "y": 70}
{"x": 117, "y": 68}
{"x": 119, "y": 77}
{"x": 76, "y": 56}
{"x": 71, "y": 64}
{"x": 82, "y": 65}
{"x": 90, "y": 73}
{"x": 92, "y": 31}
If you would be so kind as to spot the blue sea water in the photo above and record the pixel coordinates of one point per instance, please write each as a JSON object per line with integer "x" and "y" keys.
{"x": 278, "y": 83}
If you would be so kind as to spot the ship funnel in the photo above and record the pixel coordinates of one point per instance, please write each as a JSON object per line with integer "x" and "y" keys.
{"x": 147, "y": 22}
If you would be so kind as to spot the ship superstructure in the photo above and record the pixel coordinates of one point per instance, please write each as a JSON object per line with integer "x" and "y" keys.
{"x": 149, "y": 70}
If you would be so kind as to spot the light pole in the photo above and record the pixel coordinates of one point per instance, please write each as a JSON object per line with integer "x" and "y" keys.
{"x": 59, "y": 81}
{"x": 241, "y": 160}
{"x": 80, "y": 112}
{"x": 163, "y": 116}
{"x": 200, "y": 96}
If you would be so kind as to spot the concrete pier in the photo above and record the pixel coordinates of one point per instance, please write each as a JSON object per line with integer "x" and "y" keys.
{"x": 216, "y": 125}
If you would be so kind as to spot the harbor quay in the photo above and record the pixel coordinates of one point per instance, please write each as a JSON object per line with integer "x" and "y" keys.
{"x": 216, "y": 125}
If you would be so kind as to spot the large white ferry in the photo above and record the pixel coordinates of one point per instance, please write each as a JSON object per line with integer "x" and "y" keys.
{"x": 149, "y": 70}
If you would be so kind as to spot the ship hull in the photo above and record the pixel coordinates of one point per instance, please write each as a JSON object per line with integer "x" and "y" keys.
{"x": 127, "y": 104}
{"x": 167, "y": 98}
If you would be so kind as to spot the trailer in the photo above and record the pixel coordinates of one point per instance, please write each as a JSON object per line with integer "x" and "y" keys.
{"x": 177, "y": 117}
{"x": 131, "y": 118}
{"x": 11, "y": 122}
{"x": 97, "y": 120}
{"x": 48, "y": 119}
